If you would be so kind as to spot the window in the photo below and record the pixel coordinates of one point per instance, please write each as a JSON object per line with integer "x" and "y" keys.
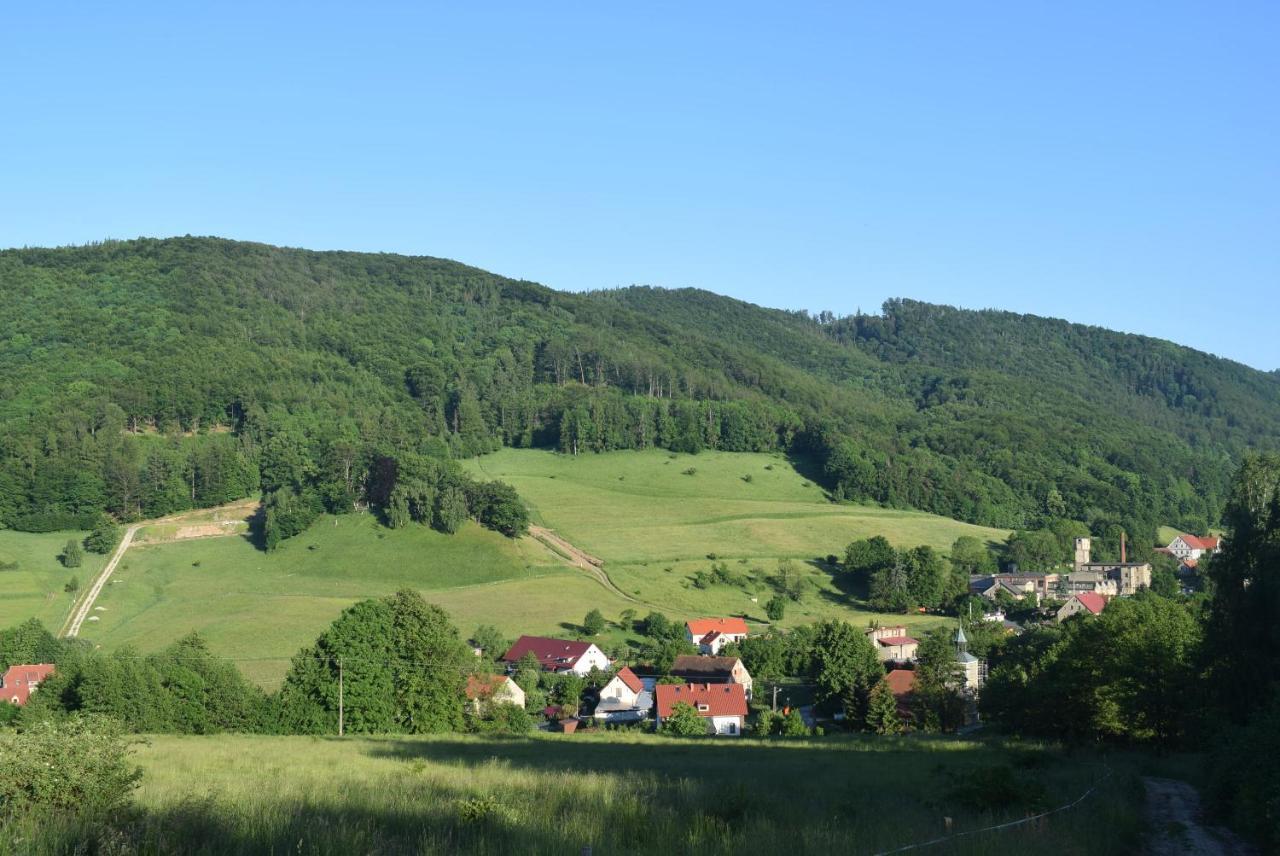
{"x": 703, "y": 708}
{"x": 732, "y": 729}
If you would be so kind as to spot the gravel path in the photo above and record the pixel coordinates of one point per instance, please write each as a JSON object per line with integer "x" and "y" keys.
{"x": 1173, "y": 811}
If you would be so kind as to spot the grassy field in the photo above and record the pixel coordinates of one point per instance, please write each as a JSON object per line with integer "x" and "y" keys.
{"x": 617, "y": 793}
{"x": 260, "y": 608}
{"x": 655, "y": 525}
{"x": 35, "y": 587}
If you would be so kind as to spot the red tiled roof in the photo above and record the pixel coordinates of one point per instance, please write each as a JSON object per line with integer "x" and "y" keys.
{"x": 1092, "y": 601}
{"x": 484, "y": 686}
{"x": 1195, "y": 542}
{"x": 901, "y": 681}
{"x": 700, "y": 627}
{"x": 1190, "y": 563}
{"x": 718, "y": 699}
{"x": 553, "y": 654}
{"x": 897, "y": 640}
{"x": 629, "y": 678}
{"x": 20, "y": 680}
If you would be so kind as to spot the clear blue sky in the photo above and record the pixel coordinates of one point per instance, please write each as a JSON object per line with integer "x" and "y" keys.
{"x": 1110, "y": 163}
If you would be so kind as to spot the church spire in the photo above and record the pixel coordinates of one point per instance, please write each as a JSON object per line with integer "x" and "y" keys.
{"x": 962, "y": 643}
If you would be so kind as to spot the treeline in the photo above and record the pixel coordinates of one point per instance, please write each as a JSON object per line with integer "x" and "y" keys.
{"x": 144, "y": 377}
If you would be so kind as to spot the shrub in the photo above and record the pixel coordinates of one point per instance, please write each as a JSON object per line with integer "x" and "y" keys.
{"x": 72, "y": 555}
{"x": 76, "y": 764}
{"x": 104, "y": 537}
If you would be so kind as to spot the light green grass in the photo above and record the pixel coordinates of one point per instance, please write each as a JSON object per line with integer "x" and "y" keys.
{"x": 35, "y": 589}
{"x": 616, "y": 793}
{"x": 631, "y": 507}
{"x": 261, "y": 608}
{"x": 654, "y": 526}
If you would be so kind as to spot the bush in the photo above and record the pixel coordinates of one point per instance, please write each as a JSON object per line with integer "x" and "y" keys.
{"x": 594, "y": 623}
{"x": 776, "y": 608}
{"x": 104, "y": 537}
{"x": 78, "y": 764}
{"x": 72, "y": 555}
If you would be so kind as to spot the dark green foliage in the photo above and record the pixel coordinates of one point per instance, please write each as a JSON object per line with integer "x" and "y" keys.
{"x": 684, "y": 722}
{"x": 104, "y": 537}
{"x": 77, "y": 765}
{"x": 403, "y": 667}
{"x": 970, "y": 556}
{"x": 846, "y": 667}
{"x": 882, "y": 710}
{"x": 776, "y": 608}
{"x": 594, "y": 623}
{"x": 71, "y": 555}
{"x": 152, "y": 376}
{"x": 938, "y": 703}
{"x": 501, "y": 718}
{"x": 988, "y": 789}
{"x": 28, "y": 642}
{"x": 1244, "y": 779}
{"x": 491, "y": 642}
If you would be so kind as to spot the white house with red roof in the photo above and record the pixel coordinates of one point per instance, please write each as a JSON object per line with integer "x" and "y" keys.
{"x": 1192, "y": 547}
{"x": 495, "y": 689}
{"x": 893, "y": 644}
{"x": 1084, "y": 603}
{"x": 723, "y": 706}
{"x": 624, "y": 698}
{"x": 558, "y": 655}
{"x": 712, "y": 634}
{"x": 20, "y": 681}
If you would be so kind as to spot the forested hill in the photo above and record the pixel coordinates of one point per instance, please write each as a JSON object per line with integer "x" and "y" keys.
{"x": 143, "y": 376}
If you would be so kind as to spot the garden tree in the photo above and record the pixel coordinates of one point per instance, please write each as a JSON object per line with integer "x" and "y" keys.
{"x": 890, "y": 586}
{"x": 594, "y": 623}
{"x": 775, "y": 608}
{"x": 528, "y": 672}
{"x": 882, "y": 710}
{"x": 501, "y": 718}
{"x": 939, "y": 705}
{"x": 28, "y": 642}
{"x": 684, "y": 721}
{"x": 927, "y": 574}
{"x": 764, "y": 655}
{"x": 868, "y": 556}
{"x": 403, "y": 669}
{"x": 970, "y": 556}
{"x": 791, "y": 725}
{"x": 71, "y": 555}
{"x": 104, "y": 537}
{"x": 1242, "y": 634}
{"x": 568, "y": 692}
{"x": 846, "y": 666}
{"x": 491, "y": 641}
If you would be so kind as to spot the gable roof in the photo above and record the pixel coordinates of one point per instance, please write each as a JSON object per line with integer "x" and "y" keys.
{"x": 629, "y": 679}
{"x": 1195, "y": 542}
{"x": 901, "y": 681}
{"x": 553, "y": 654}
{"x": 697, "y": 666}
{"x": 484, "y": 686}
{"x": 897, "y": 640}
{"x": 700, "y": 627}
{"x": 21, "y": 679}
{"x": 1092, "y": 601}
{"x": 710, "y": 637}
{"x": 718, "y": 699}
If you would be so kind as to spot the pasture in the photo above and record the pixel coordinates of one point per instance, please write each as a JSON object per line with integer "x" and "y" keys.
{"x": 33, "y": 581}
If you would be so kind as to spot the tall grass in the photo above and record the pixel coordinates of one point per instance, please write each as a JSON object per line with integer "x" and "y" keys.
{"x": 614, "y": 793}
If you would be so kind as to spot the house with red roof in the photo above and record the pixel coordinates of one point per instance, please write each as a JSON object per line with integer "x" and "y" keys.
{"x": 624, "y": 698}
{"x": 557, "y": 655}
{"x": 1192, "y": 547}
{"x": 723, "y": 706}
{"x": 902, "y": 683}
{"x": 1084, "y": 603}
{"x": 893, "y": 644}
{"x": 495, "y": 689}
{"x": 712, "y": 634}
{"x": 20, "y": 681}
{"x": 711, "y": 670}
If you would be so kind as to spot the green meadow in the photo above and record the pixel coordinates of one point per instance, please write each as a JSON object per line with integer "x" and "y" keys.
{"x": 36, "y": 586}
{"x": 261, "y": 608}
{"x": 616, "y": 793}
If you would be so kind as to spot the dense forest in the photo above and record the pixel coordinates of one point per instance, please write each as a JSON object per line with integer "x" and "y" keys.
{"x": 142, "y": 377}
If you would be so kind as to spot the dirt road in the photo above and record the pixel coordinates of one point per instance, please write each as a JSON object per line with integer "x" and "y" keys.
{"x": 82, "y": 611}
{"x": 1173, "y": 812}
{"x": 582, "y": 560}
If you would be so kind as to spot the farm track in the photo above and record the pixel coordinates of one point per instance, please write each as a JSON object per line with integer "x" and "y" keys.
{"x": 1173, "y": 814}
{"x": 583, "y": 561}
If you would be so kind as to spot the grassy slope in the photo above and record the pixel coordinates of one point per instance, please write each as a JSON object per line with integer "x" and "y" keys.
{"x": 654, "y": 525}
{"x": 620, "y": 794}
{"x": 36, "y": 587}
{"x": 261, "y": 608}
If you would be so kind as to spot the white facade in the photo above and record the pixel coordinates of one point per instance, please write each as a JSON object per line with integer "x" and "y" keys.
{"x": 730, "y": 726}
{"x": 592, "y": 658}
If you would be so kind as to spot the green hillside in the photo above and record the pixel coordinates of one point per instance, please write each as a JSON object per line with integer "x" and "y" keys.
{"x": 145, "y": 377}
{"x": 33, "y": 581}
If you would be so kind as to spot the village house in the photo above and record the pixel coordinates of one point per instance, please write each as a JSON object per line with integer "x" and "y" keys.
{"x": 902, "y": 683}
{"x": 712, "y": 634}
{"x": 19, "y": 682}
{"x": 496, "y": 689}
{"x": 1192, "y": 547}
{"x": 557, "y": 655}
{"x": 713, "y": 670}
{"x": 723, "y": 706}
{"x": 624, "y": 698}
{"x": 893, "y": 645}
{"x": 1088, "y": 603}
{"x": 1016, "y": 585}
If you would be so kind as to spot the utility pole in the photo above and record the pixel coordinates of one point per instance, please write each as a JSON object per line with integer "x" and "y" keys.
{"x": 775, "y": 698}
{"x": 340, "y": 711}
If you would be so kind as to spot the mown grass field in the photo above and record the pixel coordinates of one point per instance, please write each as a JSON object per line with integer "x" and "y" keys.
{"x": 261, "y": 608}
{"x": 617, "y": 793}
{"x": 655, "y": 525}
{"x": 35, "y": 587}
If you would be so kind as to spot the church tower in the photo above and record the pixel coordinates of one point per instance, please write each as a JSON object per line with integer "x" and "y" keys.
{"x": 970, "y": 671}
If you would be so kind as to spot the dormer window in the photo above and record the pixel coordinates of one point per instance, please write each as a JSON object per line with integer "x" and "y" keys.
{"x": 703, "y": 708}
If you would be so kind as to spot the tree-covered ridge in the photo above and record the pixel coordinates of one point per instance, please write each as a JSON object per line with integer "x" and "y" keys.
{"x": 146, "y": 376}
